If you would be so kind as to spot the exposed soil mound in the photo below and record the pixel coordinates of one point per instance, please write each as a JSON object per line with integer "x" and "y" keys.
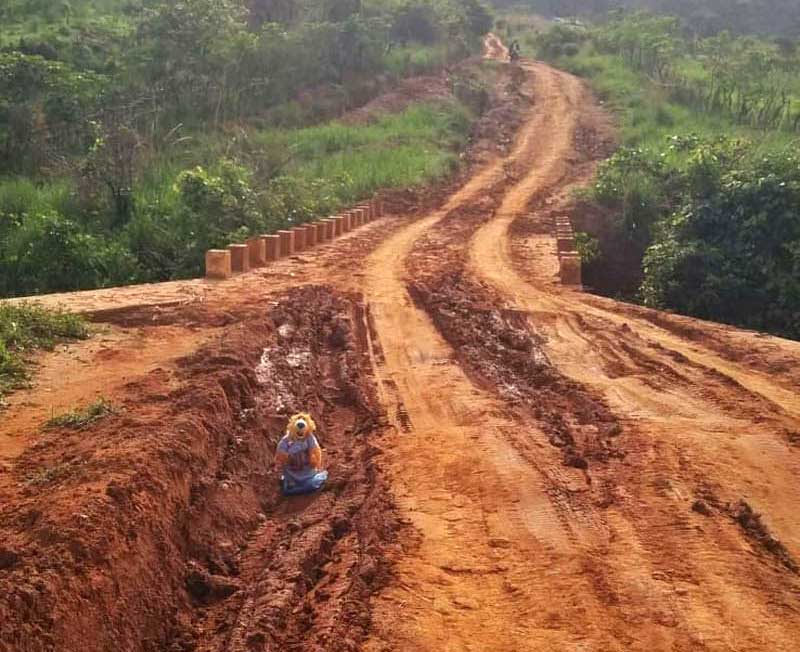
{"x": 431, "y": 88}
{"x": 161, "y": 528}
{"x": 752, "y": 525}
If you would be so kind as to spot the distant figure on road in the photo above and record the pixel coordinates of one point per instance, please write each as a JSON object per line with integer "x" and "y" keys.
{"x": 513, "y": 51}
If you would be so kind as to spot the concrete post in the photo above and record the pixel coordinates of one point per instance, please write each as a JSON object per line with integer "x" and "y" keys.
{"x": 218, "y": 263}
{"x": 272, "y": 247}
{"x": 240, "y": 258}
{"x": 257, "y": 252}
{"x": 299, "y": 238}
{"x": 321, "y": 231}
{"x": 564, "y": 244}
{"x": 570, "y": 268}
{"x": 287, "y": 242}
{"x": 328, "y": 225}
{"x": 338, "y": 223}
{"x": 311, "y": 235}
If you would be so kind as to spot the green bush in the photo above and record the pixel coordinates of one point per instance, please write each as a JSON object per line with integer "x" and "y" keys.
{"x": 51, "y": 253}
{"x": 214, "y": 209}
{"x": 559, "y": 41}
{"x": 731, "y": 251}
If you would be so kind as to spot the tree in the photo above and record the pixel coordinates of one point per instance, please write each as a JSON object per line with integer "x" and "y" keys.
{"x": 731, "y": 251}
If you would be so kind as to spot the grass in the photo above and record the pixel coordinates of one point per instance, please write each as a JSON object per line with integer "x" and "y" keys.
{"x": 297, "y": 174}
{"x": 404, "y": 149}
{"x": 80, "y": 418}
{"x": 433, "y": 125}
{"x": 415, "y": 60}
{"x": 397, "y": 150}
{"x": 648, "y": 114}
{"x": 25, "y": 328}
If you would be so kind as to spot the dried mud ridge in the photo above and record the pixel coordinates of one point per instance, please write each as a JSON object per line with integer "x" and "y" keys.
{"x": 506, "y": 357}
{"x": 166, "y": 520}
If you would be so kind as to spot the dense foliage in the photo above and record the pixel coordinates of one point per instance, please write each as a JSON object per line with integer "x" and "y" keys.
{"x": 719, "y": 227}
{"x": 704, "y": 194}
{"x": 133, "y": 133}
{"x": 702, "y": 17}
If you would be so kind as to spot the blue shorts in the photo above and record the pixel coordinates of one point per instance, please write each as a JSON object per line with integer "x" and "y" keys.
{"x": 291, "y": 487}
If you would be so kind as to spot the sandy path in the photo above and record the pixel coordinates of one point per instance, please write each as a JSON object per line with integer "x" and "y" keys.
{"x": 697, "y": 421}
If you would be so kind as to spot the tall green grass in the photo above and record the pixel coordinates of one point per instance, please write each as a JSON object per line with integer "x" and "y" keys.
{"x": 648, "y": 113}
{"x": 395, "y": 150}
{"x": 407, "y": 149}
{"x": 22, "y": 195}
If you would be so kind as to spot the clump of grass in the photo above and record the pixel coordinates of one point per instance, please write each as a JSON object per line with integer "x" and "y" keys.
{"x": 80, "y": 418}
{"x": 25, "y": 328}
{"x": 398, "y": 150}
{"x": 47, "y": 475}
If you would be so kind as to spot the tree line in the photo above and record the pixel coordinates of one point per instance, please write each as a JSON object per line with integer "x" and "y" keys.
{"x": 119, "y": 118}
{"x": 702, "y": 17}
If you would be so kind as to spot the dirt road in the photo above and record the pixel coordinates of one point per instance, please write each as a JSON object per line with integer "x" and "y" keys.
{"x": 520, "y": 552}
{"x": 515, "y": 465}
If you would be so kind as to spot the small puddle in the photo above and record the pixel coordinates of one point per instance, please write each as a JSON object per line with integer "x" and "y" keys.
{"x": 268, "y": 372}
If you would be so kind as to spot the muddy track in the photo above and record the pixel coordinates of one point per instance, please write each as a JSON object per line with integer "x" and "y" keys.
{"x": 514, "y": 465}
{"x": 570, "y": 456}
{"x": 165, "y": 519}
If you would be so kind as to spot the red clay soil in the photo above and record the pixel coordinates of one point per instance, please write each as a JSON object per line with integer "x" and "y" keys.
{"x": 128, "y": 534}
{"x": 677, "y": 530}
{"x": 431, "y": 88}
{"x": 514, "y": 465}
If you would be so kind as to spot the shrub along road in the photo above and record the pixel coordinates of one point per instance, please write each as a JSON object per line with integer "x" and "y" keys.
{"x": 516, "y": 465}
